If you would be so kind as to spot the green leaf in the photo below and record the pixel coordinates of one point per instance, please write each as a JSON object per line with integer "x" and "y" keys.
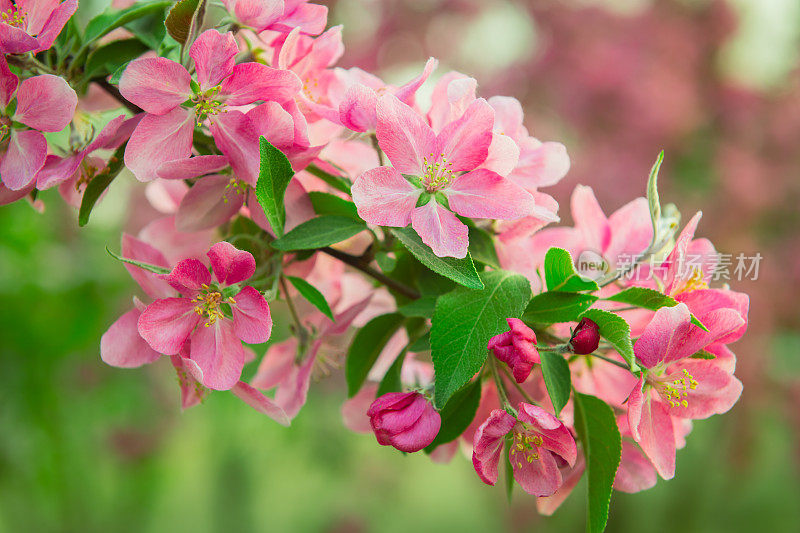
{"x": 461, "y": 271}
{"x": 559, "y": 272}
{"x": 100, "y": 183}
{"x": 391, "y": 382}
{"x": 652, "y": 195}
{"x": 458, "y": 414}
{"x": 181, "y": 17}
{"x": 312, "y": 294}
{"x": 463, "y": 323}
{"x": 423, "y": 344}
{"x": 109, "y": 58}
{"x": 367, "y": 346}
{"x": 329, "y": 204}
{"x": 112, "y": 19}
{"x": 702, "y": 354}
{"x": 481, "y": 247}
{"x": 273, "y": 178}
{"x": 649, "y": 299}
{"x": 147, "y": 266}
{"x": 509, "y": 471}
{"x": 602, "y": 447}
{"x": 421, "y": 307}
{"x": 318, "y": 233}
{"x": 615, "y": 330}
{"x": 555, "y": 307}
{"x": 337, "y": 182}
{"x": 555, "y": 370}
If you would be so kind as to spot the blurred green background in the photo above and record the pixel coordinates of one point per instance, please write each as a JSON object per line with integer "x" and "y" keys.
{"x": 87, "y": 448}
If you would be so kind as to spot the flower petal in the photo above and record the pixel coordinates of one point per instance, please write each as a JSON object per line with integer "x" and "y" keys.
{"x": 251, "y": 317}
{"x": 153, "y": 285}
{"x": 208, "y": 204}
{"x": 384, "y": 197}
{"x": 188, "y": 276}
{"x": 236, "y": 136}
{"x": 158, "y": 139}
{"x": 156, "y": 84}
{"x": 167, "y": 323}
{"x": 357, "y": 110}
{"x": 191, "y": 167}
{"x": 218, "y": 353}
{"x": 255, "y": 399}
{"x": 488, "y": 444}
{"x": 404, "y": 135}
{"x": 123, "y": 347}
{"x": 441, "y": 230}
{"x": 465, "y": 142}
{"x": 486, "y": 194}
{"x": 213, "y": 54}
{"x": 250, "y": 82}
{"x": 590, "y": 220}
{"x": 25, "y": 155}
{"x": 231, "y": 265}
{"x": 539, "y": 477}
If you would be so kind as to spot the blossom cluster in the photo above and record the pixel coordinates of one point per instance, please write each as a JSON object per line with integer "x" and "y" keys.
{"x": 398, "y": 240}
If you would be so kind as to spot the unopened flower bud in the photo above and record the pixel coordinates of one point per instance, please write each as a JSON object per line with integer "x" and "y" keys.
{"x": 405, "y": 420}
{"x": 516, "y": 348}
{"x": 586, "y": 337}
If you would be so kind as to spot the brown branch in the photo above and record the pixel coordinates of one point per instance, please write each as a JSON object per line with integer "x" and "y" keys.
{"x": 360, "y": 264}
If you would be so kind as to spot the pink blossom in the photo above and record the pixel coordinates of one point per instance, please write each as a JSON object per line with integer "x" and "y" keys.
{"x": 279, "y": 15}
{"x": 404, "y": 420}
{"x": 675, "y": 385}
{"x": 216, "y": 345}
{"x": 586, "y": 337}
{"x": 43, "y": 103}
{"x": 162, "y": 87}
{"x": 516, "y": 348}
{"x": 442, "y": 168}
{"x": 540, "y": 445}
{"x": 32, "y": 25}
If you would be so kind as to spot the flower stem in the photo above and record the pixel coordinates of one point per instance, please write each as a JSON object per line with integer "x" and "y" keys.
{"x": 519, "y": 388}
{"x": 609, "y": 360}
{"x": 364, "y": 267}
{"x": 501, "y": 388}
{"x": 377, "y": 148}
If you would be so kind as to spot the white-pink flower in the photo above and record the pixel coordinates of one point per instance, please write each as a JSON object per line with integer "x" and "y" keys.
{"x": 32, "y": 25}
{"x": 434, "y": 176}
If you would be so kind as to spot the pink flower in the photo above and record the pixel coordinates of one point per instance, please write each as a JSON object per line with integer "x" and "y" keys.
{"x": 162, "y": 88}
{"x": 43, "y": 103}
{"x": 516, "y": 348}
{"x": 442, "y": 177}
{"x": 279, "y": 15}
{"x": 676, "y": 386}
{"x": 586, "y": 337}
{"x": 216, "y": 324}
{"x": 405, "y": 420}
{"x": 32, "y": 25}
{"x": 540, "y": 445}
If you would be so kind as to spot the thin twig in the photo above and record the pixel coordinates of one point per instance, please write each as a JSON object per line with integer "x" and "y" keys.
{"x": 609, "y": 360}
{"x": 519, "y": 388}
{"x": 113, "y": 91}
{"x": 359, "y": 264}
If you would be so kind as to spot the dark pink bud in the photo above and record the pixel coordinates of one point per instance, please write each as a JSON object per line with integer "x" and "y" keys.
{"x": 405, "y": 420}
{"x": 586, "y": 337}
{"x": 516, "y": 348}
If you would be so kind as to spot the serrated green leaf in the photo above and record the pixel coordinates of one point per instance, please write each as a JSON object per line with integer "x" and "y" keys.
{"x": 274, "y": 175}
{"x": 112, "y": 19}
{"x": 615, "y": 330}
{"x": 318, "y": 233}
{"x": 179, "y": 19}
{"x": 146, "y": 266}
{"x": 329, "y": 204}
{"x": 649, "y": 299}
{"x": 555, "y": 370}
{"x": 421, "y": 307}
{"x": 391, "y": 381}
{"x": 461, "y": 271}
{"x": 367, "y": 346}
{"x": 555, "y": 307}
{"x": 312, "y": 294}
{"x": 339, "y": 183}
{"x": 560, "y": 274}
{"x": 602, "y": 447}
{"x": 652, "y": 195}
{"x": 481, "y": 247}
{"x": 458, "y": 414}
{"x": 463, "y": 322}
{"x": 100, "y": 183}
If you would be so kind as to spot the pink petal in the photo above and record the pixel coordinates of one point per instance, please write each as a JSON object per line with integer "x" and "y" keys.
{"x": 236, "y": 136}
{"x": 702, "y": 302}
{"x": 213, "y": 55}
{"x": 151, "y": 284}
{"x": 540, "y": 164}
{"x": 384, "y": 197}
{"x": 590, "y": 220}
{"x": 8, "y": 82}
{"x": 208, "y": 204}
{"x": 547, "y": 505}
{"x": 189, "y": 379}
{"x": 14, "y": 40}
{"x": 45, "y": 103}
{"x": 276, "y": 366}
{"x": 441, "y": 230}
{"x": 255, "y": 399}
{"x": 167, "y": 323}
{"x": 158, "y": 139}
{"x": 274, "y": 123}
{"x": 667, "y": 333}
{"x": 354, "y": 410}
{"x": 25, "y": 155}
{"x": 357, "y": 111}
{"x": 7, "y": 196}
{"x": 503, "y": 155}
{"x": 58, "y": 169}
{"x": 404, "y": 135}
{"x": 191, "y": 167}
{"x": 407, "y": 92}
{"x": 250, "y": 82}
{"x": 717, "y": 390}
{"x": 175, "y": 245}
{"x": 292, "y": 393}
{"x": 555, "y": 435}
{"x": 453, "y": 93}
{"x": 465, "y": 142}
{"x": 540, "y": 477}
{"x": 635, "y": 473}
{"x": 251, "y": 317}
{"x": 653, "y": 430}
{"x": 54, "y": 24}
{"x": 229, "y": 264}
{"x": 257, "y": 14}
{"x": 488, "y": 444}
{"x": 631, "y": 231}
{"x": 310, "y": 18}
{"x": 188, "y": 276}
{"x": 486, "y": 194}
{"x": 156, "y": 84}
{"x": 218, "y": 353}
{"x": 122, "y": 346}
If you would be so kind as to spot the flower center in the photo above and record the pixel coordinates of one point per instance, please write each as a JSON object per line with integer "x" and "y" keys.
{"x": 310, "y": 87}
{"x": 236, "y": 186}
{"x": 525, "y": 446}
{"x": 437, "y": 172}
{"x": 694, "y": 282}
{"x": 675, "y": 390}
{"x": 13, "y": 17}
{"x": 208, "y": 304}
{"x": 206, "y": 106}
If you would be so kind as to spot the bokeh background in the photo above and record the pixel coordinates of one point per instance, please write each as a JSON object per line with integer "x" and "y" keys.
{"x": 85, "y": 447}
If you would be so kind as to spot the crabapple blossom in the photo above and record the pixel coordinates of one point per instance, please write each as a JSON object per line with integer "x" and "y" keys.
{"x": 404, "y": 420}
{"x": 32, "y": 25}
{"x": 516, "y": 348}
{"x": 586, "y": 337}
